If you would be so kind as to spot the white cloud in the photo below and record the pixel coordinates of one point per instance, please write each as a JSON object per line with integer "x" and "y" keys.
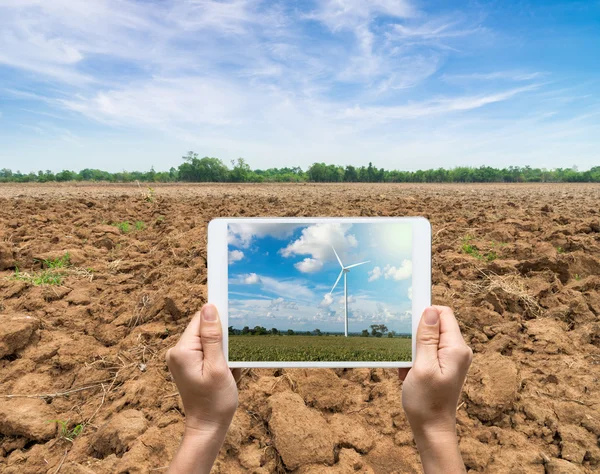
{"x": 287, "y": 289}
{"x": 241, "y": 234}
{"x": 284, "y": 313}
{"x": 283, "y": 304}
{"x": 316, "y": 240}
{"x": 261, "y": 88}
{"x": 490, "y": 76}
{"x": 402, "y": 272}
{"x": 327, "y": 300}
{"x": 352, "y": 13}
{"x": 175, "y": 103}
{"x": 389, "y": 272}
{"x": 375, "y": 312}
{"x": 434, "y": 30}
{"x": 251, "y": 279}
{"x": 375, "y": 274}
{"x": 276, "y": 302}
{"x": 309, "y": 265}
{"x": 409, "y": 293}
{"x": 234, "y": 256}
{"x": 351, "y": 299}
{"x": 439, "y": 106}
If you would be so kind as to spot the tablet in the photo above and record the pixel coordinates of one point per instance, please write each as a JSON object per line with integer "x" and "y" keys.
{"x": 319, "y": 292}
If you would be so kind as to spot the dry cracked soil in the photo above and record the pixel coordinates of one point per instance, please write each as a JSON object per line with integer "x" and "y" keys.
{"x": 84, "y": 387}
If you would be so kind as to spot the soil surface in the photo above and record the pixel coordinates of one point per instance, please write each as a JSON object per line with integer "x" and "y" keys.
{"x": 519, "y": 263}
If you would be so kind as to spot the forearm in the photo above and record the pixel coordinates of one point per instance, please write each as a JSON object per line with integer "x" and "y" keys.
{"x": 197, "y": 452}
{"x": 440, "y": 453}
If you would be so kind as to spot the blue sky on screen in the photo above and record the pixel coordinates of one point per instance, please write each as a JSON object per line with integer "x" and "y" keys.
{"x": 406, "y": 84}
{"x": 281, "y": 275}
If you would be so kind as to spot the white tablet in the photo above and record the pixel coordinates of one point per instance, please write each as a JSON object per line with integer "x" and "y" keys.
{"x": 319, "y": 292}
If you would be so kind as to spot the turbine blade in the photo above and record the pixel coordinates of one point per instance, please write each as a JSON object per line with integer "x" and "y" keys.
{"x": 338, "y": 258}
{"x": 336, "y": 281}
{"x": 357, "y": 264}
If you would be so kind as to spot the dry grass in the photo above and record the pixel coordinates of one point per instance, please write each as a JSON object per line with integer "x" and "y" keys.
{"x": 511, "y": 284}
{"x": 291, "y": 382}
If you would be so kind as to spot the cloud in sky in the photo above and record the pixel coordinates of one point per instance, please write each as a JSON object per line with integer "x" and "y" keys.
{"x": 292, "y": 274}
{"x": 241, "y": 234}
{"x": 309, "y": 265}
{"x": 293, "y": 83}
{"x": 375, "y": 274}
{"x": 327, "y": 300}
{"x": 234, "y": 256}
{"x": 401, "y": 272}
{"x": 283, "y": 288}
{"x": 251, "y": 279}
{"x": 317, "y": 241}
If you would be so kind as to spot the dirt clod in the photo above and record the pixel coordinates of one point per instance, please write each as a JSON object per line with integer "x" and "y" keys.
{"x": 15, "y": 332}
{"x": 119, "y": 433}
{"x": 30, "y": 418}
{"x": 492, "y": 386}
{"x": 520, "y": 264}
{"x": 300, "y": 434}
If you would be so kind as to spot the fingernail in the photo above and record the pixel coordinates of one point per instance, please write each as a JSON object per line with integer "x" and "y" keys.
{"x": 431, "y": 316}
{"x": 209, "y": 313}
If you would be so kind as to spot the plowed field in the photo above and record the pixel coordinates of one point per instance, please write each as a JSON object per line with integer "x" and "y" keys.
{"x": 83, "y": 342}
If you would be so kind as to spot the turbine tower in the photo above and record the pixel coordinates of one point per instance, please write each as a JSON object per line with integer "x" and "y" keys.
{"x": 344, "y": 271}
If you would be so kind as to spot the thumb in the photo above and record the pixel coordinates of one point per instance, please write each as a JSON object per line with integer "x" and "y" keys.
{"x": 428, "y": 338}
{"x": 211, "y": 334}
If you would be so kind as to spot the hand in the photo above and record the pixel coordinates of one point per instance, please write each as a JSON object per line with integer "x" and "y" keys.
{"x": 432, "y": 387}
{"x": 206, "y": 385}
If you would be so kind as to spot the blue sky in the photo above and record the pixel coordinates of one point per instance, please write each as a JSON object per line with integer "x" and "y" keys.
{"x": 281, "y": 275}
{"x": 407, "y": 84}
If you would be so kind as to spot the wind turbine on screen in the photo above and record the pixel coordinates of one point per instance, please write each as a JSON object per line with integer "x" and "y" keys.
{"x": 344, "y": 271}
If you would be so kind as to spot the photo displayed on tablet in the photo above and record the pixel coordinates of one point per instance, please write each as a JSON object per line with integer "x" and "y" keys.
{"x": 319, "y": 291}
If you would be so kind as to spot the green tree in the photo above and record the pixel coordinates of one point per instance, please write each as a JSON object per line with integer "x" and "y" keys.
{"x": 241, "y": 171}
{"x": 259, "y": 331}
{"x": 202, "y": 170}
{"x": 350, "y": 174}
{"x": 378, "y": 330}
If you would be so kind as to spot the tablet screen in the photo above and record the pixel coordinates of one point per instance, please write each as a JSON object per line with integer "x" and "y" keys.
{"x": 310, "y": 292}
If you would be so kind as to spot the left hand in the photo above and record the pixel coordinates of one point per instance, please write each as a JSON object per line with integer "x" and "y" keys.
{"x": 207, "y": 387}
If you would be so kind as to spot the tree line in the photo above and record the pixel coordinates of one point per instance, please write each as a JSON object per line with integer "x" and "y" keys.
{"x": 377, "y": 330}
{"x": 213, "y": 170}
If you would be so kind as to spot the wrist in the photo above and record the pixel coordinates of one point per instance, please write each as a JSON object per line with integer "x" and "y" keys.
{"x": 439, "y": 451}
{"x": 436, "y": 436}
{"x": 204, "y": 430}
{"x": 434, "y": 439}
{"x": 199, "y": 448}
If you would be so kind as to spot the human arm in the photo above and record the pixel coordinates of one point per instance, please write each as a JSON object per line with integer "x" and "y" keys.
{"x": 208, "y": 391}
{"x": 432, "y": 387}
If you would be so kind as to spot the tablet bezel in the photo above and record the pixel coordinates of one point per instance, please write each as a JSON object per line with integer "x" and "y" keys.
{"x": 217, "y": 249}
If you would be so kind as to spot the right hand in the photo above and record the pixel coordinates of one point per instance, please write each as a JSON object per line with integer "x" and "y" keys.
{"x": 432, "y": 386}
{"x": 198, "y": 366}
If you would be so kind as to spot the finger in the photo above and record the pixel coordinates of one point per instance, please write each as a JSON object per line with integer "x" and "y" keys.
{"x": 403, "y": 372}
{"x": 211, "y": 334}
{"x": 237, "y": 374}
{"x": 190, "y": 339}
{"x": 450, "y": 335}
{"x": 428, "y": 338}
